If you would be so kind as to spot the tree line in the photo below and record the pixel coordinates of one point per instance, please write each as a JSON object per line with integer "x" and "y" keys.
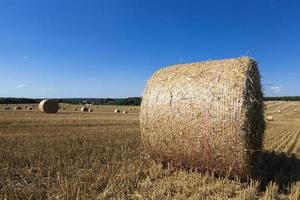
{"x": 134, "y": 101}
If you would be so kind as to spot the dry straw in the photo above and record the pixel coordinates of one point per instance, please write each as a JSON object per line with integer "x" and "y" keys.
{"x": 17, "y": 108}
{"x": 90, "y": 110}
{"x": 49, "y": 106}
{"x": 116, "y": 111}
{"x": 84, "y": 109}
{"x": 125, "y": 112}
{"x": 206, "y": 115}
{"x": 270, "y": 118}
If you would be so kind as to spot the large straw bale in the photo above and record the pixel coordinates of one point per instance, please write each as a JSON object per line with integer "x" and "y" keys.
{"x": 49, "y": 106}
{"x": 116, "y": 111}
{"x": 84, "y": 109}
{"x": 17, "y": 108}
{"x": 206, "y": 115}
{"x": 270, "y": 118}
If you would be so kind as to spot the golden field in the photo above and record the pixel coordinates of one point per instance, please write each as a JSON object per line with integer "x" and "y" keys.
{"x": 99, "y": 155}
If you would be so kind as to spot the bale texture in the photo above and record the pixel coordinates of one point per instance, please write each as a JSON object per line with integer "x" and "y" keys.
{"x": 49, "y": 106}
{"x": 90, "y": 110}
{"x": 206, "y": 115}
{"x": 84, "y": 109}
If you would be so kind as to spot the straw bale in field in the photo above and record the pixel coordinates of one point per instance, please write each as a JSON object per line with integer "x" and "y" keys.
{"x": 90, "y": 110}
{"x": 29, "y": 108}
{"x": 75, "y": 109}
{"x": 84, "y": 109}
{"x": 49, "y": 106}
{"x": 206, "y": 115}
{"x": 116, "y": 111}
{"x": 17, "y": 108}
{"x": 6, "y": 108}
{"x": 125, "y": 111}
{"x": 270, "y": 118}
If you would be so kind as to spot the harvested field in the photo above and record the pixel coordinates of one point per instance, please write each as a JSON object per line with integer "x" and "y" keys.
{"x": 99, "y": 155}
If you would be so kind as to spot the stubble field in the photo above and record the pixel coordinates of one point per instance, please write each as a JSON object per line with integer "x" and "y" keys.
{"x": 99, "y": 155}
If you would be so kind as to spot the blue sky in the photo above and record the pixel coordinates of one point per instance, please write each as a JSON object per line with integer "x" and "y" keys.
{"x": 110, "y": 48}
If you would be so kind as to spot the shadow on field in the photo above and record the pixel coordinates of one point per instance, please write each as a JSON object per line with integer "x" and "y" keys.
{"x": 277, "y": 167}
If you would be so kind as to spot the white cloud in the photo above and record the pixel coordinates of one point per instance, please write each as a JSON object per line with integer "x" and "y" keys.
{"x": 25, "y": 57}
{"x": 21, "y": 86}
{"x": 276, "y": 89}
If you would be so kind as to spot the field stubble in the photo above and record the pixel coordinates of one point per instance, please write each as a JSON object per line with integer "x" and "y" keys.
{"x": 99, "y": 155}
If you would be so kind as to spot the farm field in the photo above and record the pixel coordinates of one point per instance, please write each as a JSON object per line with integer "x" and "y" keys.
{"x": 99, "y": 155}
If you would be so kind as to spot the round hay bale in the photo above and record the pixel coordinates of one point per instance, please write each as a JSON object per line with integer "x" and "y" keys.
{"x": 133, "y": 109}
{"x": 84, "y": 109}
{"x": 270, "y": 118}
{"x": 125, "y": 112}
{"x": 49, "y": 106}
{"x": 90, "y": 110}
{"x": 17, "y": 108}
{"x": 6, "y": 108}
{"x": 29, "y": 108}
{"x": 75, "y": 109}
{"x": 116, "y": 111}
{"x": 206, "y": 115}
{"x": 25, "y": 107}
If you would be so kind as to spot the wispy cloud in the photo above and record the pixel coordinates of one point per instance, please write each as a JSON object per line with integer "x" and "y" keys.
{"x": 292, "y": 73}
{"x": 25, "y": 57}
{"x": 21, "y": 86}
{"x": 276, "y": 89}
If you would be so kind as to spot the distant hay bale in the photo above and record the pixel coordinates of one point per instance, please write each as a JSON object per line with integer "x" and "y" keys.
{"x": 130, "y": 108}
{"x": 75, "y": 109}
{"x": 84, "y": 109}
{"x": 270, "y": 118}
{"x": 49, "y": 106}
{"x": 125, "y": 112}
{"x": 116, "y": 111}
{"x": 17, "y": 108}
{"x": 25, "y": 107}
{"x": 133, "y": 108}
{"x": 29, "y": 108}
{"x": 206, "y": 115}
{"x": 90, "y": 110}
{"x": 6, "y": 108}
